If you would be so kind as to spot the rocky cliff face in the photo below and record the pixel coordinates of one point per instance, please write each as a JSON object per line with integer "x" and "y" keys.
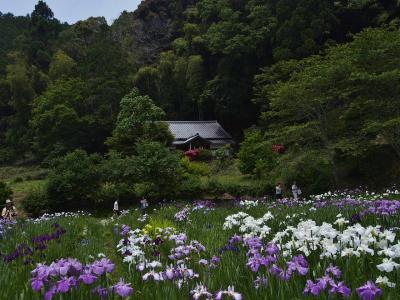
{"x": 150, "y": 29}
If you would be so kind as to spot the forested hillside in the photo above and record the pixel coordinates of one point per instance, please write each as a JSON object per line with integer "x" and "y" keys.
{"x": 295, "y": 69}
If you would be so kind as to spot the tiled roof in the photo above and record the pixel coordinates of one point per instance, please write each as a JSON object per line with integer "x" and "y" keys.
{"x": 210, "y": 130}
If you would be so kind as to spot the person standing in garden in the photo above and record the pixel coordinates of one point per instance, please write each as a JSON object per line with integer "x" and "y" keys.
{"x": 296, "y": 191}
{"x": 9, "y": 211}
{"x": 143, "y": 205}
{"x": 278, "y": 191}
{"x": 116, "y": 208}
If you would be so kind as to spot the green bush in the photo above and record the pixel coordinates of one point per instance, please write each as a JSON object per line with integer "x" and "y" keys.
{"x": 18, "y": 179}
{"x": 5, "y": 192}
{"x": 311, "y": 171}
{"x": 256, "y": 156}
{"x": 223, "y": 157}
{"x": 256, "y": 189}
{"x": 195, "y": 168}
{"x": 158, "y": 171}
{"x": 111, "y": 191}
{"x": 74, "y": 181}
{"x": 204, "y": 155}
{"x": 36, "y": 202}
{"x": 191, "y": 188}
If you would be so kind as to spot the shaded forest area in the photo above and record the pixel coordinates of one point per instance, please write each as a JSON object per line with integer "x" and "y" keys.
{"x": 319, "y": 77}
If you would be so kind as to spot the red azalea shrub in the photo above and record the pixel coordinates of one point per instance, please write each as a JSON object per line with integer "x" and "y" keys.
{"x": 192, "y": 154}
{"x": 278, "y": 148}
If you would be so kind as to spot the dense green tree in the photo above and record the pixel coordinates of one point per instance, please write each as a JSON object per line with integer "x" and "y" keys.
{"x": 11, "y": 27}
{"x": 340, "y": 106}
{"x": 195, "y": 78}
{"x": 256, "y": 156}
{"x": 61, "y": 66}
{"x": 137, "y": 121}
{"x": 43, "y": 32}
{"x": 57, "y": 118}
{"x": 147, "y": 80}
{"x": 21, "y": 93}
{"x": 158, "y": 171}
{"x": 64, "y": 188}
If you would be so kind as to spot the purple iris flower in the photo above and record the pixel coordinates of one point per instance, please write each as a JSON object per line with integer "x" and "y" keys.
{"x": 63, "y": 270}
{"x": 267, "y": 260}
{"x": 335, "y": 271}
{"x": 275, "y": 270}
{"x": 98, "y": 269}
{"x": 254, "y": 243}
{"x": 50, "y": 293}
{"x": 101, "y": 291}
{"x": 313, "y": 288}
{"x": 340, "y": 288}
{"x": 324, "y": 281}
{"x": 102, "y": 266}
{"x": 37, "y": 284}
{"x": 369, "y": 291}
{"x": 87, "y": 277}
{"x": 123, "y": 289}
{"x": 125, "y": 230}
{"x": 169, "y": 274}
{"x": 272, "y": 249}
{"x": 254, "y": 263}
{"x": 299, "y": 264}
{"x": 236, "y": 239}
{"x": 75, "y": 267}
{"x": 215, "y": 260}
{"x": 108, "y": 265}
{"x": 63, "y": 285}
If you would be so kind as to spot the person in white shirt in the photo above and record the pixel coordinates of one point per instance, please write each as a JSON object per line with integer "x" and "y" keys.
{"x": 9, "y": 211}
{"x": 278, "y": 191}
{"x": 116, "y": 208}
{"x": 295, "y": 191}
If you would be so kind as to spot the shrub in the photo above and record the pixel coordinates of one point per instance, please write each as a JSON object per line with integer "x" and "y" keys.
{"x": 256, "y": 189}
{"x": 311, "y": 171}
{"x": 223, "y": 157}
{"x": 195, "y": 168}
{"x": 190, "y": 187}
{"x": 5, "y": 192}
{"x": 159, "y": 171}
{"x": 204, "y": 155}
{"x": 111, "y": 191}
{"x": 36, "y": 202}
{"x": 18, "y": 179}
{"x": 256, "y": 156}
{"x": 73, "y": 181}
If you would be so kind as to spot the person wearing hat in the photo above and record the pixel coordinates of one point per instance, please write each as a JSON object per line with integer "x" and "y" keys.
{"x": 9, "y": 212}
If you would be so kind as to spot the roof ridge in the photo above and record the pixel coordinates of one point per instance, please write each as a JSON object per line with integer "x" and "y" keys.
{"x": 209, "y": 121}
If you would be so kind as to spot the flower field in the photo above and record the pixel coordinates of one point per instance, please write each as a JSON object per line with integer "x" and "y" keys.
{"x": 333, "y": 246}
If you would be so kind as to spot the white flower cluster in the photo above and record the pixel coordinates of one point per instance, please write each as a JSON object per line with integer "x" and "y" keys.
{"x": 51, "y": 217}
{"x": 249, "y": 226}
{"x": 358, "y": 194}
{"x": 132, "y": 247}
{"x": 383, "y": 280}
{"x": 356, "y": 240}
{"x": 249, "y": 204}
{"x": 143, "y": 218}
